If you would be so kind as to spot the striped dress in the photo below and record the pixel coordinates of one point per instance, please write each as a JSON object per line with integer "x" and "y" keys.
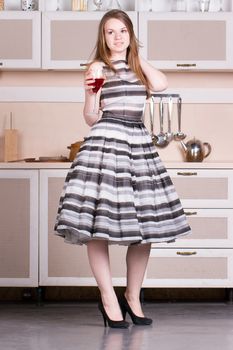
{"x": 117, "y": 188}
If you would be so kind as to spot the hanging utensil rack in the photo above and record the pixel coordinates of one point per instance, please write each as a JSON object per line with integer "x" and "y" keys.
{"x": 168, "y": 100}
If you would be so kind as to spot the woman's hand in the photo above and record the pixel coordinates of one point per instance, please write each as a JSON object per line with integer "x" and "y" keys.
{"x": 89, "y": 78}
{"x": 91, "y": 114}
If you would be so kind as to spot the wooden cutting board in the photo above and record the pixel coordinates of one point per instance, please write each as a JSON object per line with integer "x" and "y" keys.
{"x": 10, "y": 145}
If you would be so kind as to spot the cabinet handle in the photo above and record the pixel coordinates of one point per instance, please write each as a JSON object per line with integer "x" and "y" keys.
{"x": 186, "y": 253}
{"x": 189, "y": 213}
{"x": 186, "y": 173}
{"x": 186, "y": 65}
{"x": 1, "y": 63}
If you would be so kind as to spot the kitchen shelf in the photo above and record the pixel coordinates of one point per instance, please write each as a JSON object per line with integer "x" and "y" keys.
{"x": 15, "y": 5}
{"x": 65, "y": 5}
{"x": 192, "y": 6}
{"x": 127, "y": 5}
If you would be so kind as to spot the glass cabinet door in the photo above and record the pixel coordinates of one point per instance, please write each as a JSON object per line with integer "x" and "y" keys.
{"x": 62, "y": 263}
{"x": 198, "y": 41}
{"x": 69, "y": 38}
{"x": 20, "y": 39}
{"x": 19, "y": 228}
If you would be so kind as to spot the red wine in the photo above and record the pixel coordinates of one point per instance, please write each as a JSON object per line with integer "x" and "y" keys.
{"x": 97, "y": 84}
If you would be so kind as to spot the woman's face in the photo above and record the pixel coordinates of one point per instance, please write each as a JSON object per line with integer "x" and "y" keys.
{"x": 117, "y": 38}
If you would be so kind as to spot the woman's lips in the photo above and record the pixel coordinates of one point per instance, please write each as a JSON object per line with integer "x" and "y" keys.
{"x": 119, "y": 44}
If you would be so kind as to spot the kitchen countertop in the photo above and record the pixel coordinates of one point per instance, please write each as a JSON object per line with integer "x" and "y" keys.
{"x": 66, "y": 165}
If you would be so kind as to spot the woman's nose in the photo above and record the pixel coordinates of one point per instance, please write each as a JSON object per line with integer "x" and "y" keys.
{"x": 118, "y": 35}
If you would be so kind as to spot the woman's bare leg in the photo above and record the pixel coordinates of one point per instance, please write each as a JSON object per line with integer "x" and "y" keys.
{"x": 98, "y": 255}
{"x": 136, "y": 259}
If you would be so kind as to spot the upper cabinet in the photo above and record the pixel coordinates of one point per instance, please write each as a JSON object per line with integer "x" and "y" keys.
{"x": 171, "y": 39}
{"x": 68, "y": 38}
{"x": 187, "y": 40}
{"x": 20, "y": 39}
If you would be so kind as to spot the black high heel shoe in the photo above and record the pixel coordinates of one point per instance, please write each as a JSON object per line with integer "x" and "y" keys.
{"x": 137, "y": 320}
{"x": 111, "y": 323}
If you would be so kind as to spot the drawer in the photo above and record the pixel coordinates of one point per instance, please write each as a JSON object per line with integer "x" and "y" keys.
{"x": 211, "y": 228}
{"x": 190, "y": 268}
{"x": 198, "y": 188}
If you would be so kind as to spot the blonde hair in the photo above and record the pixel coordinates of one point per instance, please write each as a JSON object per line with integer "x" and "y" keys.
{"x": 102, "y": 52}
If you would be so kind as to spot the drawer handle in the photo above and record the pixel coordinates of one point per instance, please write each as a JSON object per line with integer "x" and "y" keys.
{"x": 186, "y": 253}
{"x": 186, "y": 173}
{"x": 189, "y": 213}
{"x": 186, "y": 65}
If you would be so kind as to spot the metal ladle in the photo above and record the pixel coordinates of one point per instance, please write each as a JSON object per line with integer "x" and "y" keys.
{"x": 151, "y": 106}
{"x": 179, "y": 135}
{"x": 169, "y": 134}
{"x": 152, "y": 115}
{"x": 161, "y": 138}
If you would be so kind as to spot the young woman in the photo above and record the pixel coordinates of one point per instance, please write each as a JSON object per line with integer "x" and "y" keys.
{"x": 117, "y": 190}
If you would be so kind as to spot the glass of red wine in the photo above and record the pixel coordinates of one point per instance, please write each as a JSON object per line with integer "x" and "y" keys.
{"x": 98, "y": 77}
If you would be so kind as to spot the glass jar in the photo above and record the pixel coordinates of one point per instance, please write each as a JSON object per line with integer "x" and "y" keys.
{"x": 79, "y": 5}
{"x": 114, "y": 4}
{"x": 28, "y": 5}
{"x": 179, "y": 5}
{"x": 204, "y": 5}
{"x": 52, "y": 5}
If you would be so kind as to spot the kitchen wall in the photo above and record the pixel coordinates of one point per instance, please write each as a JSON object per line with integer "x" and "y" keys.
{"x": 46, "y": 129}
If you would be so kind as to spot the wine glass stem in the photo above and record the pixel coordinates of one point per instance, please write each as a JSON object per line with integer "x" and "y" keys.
{"x": 95, "y": 101}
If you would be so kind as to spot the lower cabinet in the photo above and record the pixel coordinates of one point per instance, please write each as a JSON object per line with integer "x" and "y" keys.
{"x": 190, "y": 268}
{"x": 32, "y": 255}
{"x": 202, "y": 259}
{"x": 19, "y": 228}
{"x": 64, "y": 264}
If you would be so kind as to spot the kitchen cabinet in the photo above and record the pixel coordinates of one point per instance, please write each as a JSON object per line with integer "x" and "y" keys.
{"x": 19, "y": 228}
{"x": 204, "y": 188}
{"x": 171, "y": 40}
{"x": 20, "y": 40}
{"x": 63, "y": 264}
{"x": 191, "y": 40}
{"x": 68, "y": 38}
{"x": 204, "y": 258}
{"x": 200, "y": 268}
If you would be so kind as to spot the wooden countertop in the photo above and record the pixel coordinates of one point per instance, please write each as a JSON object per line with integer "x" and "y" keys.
{"x": 66, "y": 165}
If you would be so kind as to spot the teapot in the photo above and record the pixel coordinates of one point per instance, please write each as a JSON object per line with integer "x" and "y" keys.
{"x": 195, "y": 150}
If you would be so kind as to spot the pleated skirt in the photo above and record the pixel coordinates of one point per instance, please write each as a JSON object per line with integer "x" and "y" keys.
{"x": 118, "y": 190}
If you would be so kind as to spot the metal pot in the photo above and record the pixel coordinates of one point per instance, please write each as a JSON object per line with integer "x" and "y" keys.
{"x": 74, "y": 149}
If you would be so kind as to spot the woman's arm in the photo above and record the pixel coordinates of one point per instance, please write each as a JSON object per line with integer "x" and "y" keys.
{"x": 157, "y": 80}
{"x": 91, "y": 110}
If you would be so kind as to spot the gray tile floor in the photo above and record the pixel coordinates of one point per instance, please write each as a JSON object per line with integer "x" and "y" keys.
{"x": 177, "y": 326}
